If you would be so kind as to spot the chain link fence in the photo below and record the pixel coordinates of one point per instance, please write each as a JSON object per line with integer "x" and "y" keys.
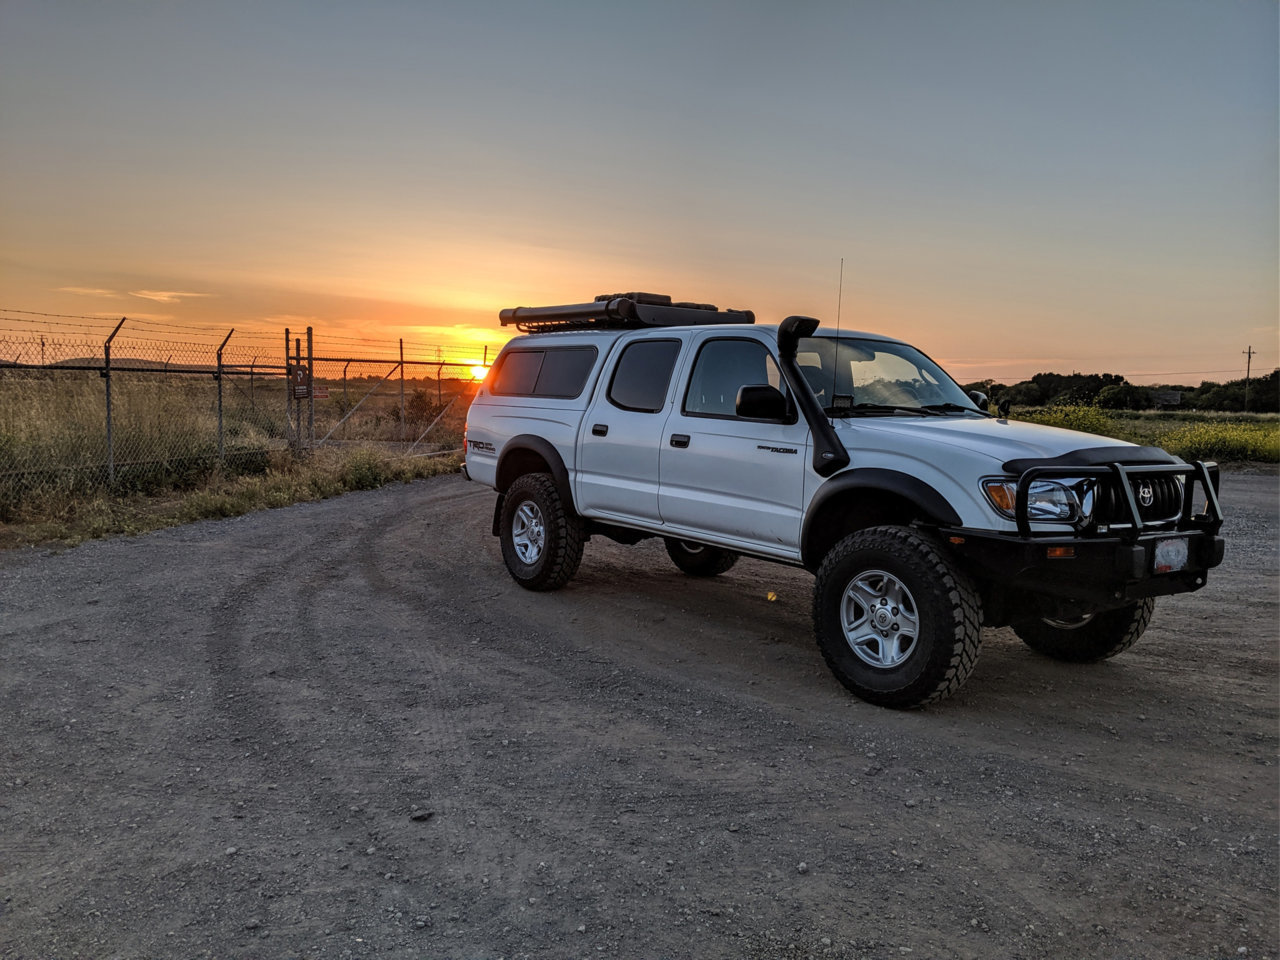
{"x": 130, "y": 413}
{"x": 405, "y": 405}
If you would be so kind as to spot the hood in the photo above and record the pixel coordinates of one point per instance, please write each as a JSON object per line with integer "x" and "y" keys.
{"x": 998, "y": 440}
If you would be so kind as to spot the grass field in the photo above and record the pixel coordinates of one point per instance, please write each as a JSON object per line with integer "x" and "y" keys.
{"x": 55, "y": 483}
{"x": 1225, "y": 437}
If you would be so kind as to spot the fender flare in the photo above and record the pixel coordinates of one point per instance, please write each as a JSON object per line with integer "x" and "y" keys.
{"x": 931, "y": 504}
{"x": 544, "y": 449}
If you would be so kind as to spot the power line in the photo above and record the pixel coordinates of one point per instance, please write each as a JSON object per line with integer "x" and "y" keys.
{"x": 1184, "y": 373}
{"x": 1171, "y": 373}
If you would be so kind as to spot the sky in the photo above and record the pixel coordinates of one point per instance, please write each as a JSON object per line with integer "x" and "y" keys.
{"x": 1013, "y": 186}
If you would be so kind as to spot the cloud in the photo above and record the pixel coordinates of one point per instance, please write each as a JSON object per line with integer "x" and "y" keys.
{"x": 166, "y": 296}
{"x": 91, "y": 292}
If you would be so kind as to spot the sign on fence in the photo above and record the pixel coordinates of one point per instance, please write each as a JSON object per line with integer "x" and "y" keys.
{"x": 301, "y": 382}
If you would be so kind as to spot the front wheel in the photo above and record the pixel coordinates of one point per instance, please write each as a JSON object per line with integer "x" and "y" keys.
{"x": 541, "y": 537}
{"x": 698, "y": 560}
{"x": 898, "y": 624}
{"x": 1093, "y": 637}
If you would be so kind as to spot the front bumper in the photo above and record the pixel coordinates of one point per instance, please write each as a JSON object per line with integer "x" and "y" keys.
{"x": 1100, "y": 570}
{"x": 1128, "y": 560}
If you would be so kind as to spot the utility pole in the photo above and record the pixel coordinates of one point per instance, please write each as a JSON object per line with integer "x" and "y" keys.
{"x": 1248, "y": 364}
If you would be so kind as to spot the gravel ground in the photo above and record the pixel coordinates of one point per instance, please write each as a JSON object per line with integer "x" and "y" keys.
{"x": 339, "y": 730}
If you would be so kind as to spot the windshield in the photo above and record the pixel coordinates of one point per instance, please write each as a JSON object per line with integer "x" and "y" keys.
{"x": 851, "y": 376}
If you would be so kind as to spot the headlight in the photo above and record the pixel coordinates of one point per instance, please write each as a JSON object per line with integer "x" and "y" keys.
{"x": 1058, "y": 500}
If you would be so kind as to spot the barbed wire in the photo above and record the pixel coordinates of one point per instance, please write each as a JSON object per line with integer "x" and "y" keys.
{"x": 44, "y": 327}
{"x": 38, "y": 313}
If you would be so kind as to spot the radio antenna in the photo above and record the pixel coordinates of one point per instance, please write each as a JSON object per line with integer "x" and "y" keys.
{"x": 840, "y": 295}
{"x": 835, "y": 352}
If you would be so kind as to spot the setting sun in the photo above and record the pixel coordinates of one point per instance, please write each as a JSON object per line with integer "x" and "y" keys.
{"x": 478, "y": 372}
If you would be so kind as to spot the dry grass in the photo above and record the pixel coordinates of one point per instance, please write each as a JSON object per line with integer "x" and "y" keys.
{"x": 55, "y": 485}
{"x": 67, "y": 519}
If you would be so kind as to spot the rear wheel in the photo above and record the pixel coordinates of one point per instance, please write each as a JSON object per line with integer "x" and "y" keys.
{"x": 698, "y": 560}
{"x": 898, "y": 623}
{"x": 1093, "y": 637}
{"x": 541, "y": 537}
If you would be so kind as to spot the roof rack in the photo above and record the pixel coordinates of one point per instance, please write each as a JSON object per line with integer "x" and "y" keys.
{"x": 621, "y": 311}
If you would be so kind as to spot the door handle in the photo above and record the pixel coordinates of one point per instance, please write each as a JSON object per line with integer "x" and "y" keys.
{"x": 680, "y": 440}
{"x": 600, "y": 430}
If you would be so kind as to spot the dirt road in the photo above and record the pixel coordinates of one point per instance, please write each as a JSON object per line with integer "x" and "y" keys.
{"x": 339, "y": 730}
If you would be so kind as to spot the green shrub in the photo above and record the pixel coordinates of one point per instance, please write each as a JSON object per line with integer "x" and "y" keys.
{"x": 1225, "y": 441}
{"x": 364, "y": 470}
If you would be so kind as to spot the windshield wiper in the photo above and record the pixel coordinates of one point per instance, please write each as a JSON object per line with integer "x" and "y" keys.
{"x": 879, "y": 409}
{"x": 949, "y": 407}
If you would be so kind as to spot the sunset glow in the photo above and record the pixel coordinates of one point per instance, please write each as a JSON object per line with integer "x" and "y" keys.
{"x": 1014, "y": 188}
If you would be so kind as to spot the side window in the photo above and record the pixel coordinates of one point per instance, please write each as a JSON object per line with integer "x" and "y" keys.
{"x": 555, "y": 372}
{"x": 517, "y": 373}
{"x": 643, "y": 373}
{"x": 722, "y": 368}
{"x": 564, "y": 372}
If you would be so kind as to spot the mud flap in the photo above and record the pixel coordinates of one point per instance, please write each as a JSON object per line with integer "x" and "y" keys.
{"x": 497, "y": 513}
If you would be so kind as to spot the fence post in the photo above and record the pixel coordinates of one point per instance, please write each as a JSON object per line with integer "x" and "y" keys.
{"x": 439, "y": 384}
{"x": 297, "y": 401}
{"x": 218, "y": 376}
{"x": 402, "y": 389}
{"x": 311, "y": 393}
{"x": 288, "y": 392}
{"x": 106, "y": 374}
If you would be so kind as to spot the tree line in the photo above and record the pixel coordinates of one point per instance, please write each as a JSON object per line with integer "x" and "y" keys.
{"x": 1113, "y": 392}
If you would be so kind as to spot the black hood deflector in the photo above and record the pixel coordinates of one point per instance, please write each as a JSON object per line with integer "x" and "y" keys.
{"x": 1095, "y": 457}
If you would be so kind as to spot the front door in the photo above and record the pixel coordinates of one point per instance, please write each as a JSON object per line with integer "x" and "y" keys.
{"x": 725, "y": 475}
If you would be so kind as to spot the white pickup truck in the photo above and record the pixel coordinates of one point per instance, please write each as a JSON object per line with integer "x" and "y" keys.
{"x": 923, "y": 516}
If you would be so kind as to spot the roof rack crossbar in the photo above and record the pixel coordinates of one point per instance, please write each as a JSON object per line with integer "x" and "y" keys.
{"x": 632, "y": 310}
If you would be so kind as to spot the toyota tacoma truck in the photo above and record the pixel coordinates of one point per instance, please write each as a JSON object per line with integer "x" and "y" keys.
{"x": 923, "y": 515}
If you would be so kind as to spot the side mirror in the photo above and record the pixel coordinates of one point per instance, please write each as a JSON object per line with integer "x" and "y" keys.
{"x": 979, "y": 399}
{"x": 761, "y": 402}
{"x": 1002, "y": 409}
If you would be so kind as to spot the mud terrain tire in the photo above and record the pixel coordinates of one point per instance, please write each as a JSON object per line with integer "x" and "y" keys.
{"x": 898, "y": 623}
{"x": 1098, "y": 637}
{"x": 699, "y": 561}
{"x": 541, "y": 537}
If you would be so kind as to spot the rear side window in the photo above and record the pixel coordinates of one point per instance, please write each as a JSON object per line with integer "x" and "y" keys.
{"x": 547, "y": 372}
{"x": 643, "y": 373}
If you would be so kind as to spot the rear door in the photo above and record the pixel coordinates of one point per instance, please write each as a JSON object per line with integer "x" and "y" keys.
{"x": 621, "y": 435}
{"x": 722, "y": 474}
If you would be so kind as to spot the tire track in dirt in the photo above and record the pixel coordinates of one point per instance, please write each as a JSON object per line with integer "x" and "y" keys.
{"x": 316, "y": 692}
